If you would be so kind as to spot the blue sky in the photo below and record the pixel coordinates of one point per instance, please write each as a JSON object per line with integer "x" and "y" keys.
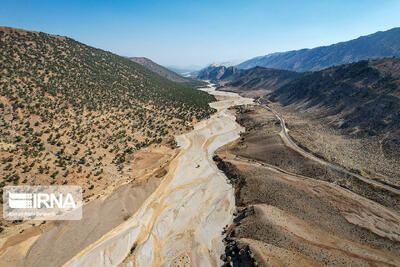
{"x": 188, "y": 32}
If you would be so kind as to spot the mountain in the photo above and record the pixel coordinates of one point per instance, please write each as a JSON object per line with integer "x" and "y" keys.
{"x": 252, "y": 82}
{"x": 361, "y": 98}
{"x": 69, "y": 112}
{"x": 216, "y": 72}
{"x": 377, "y": 45}
{"x": 226, "y": 63}
{"x": 164, "y": 72}
{"x": 160, "y": 70}
{"x": 184, "y": 70}
{"x": 262, "y": 78}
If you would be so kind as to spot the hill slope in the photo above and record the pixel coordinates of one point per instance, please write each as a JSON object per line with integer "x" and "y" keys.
{"x": 360, "y": 98}
{"x": 160, "y": 70}
{"x": 262, "y": 78}
{"x": 164, "y": 72}
{"x": 73, "y": 113}
{"x": 377, "y": 45}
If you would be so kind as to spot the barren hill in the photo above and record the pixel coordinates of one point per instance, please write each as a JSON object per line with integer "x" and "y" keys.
{"x": 362, "y": 97}
{"x": 258, "y": 80}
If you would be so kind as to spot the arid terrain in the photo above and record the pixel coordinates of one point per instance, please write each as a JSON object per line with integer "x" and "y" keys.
{"x": 341, "y": 111}
{"x": 295, "y": 211}
{"x": 316, "y": 171}
{"x": 52, "y": 243}
{"x": 285, "y": 159}
{"x": 181, "y": 223}
{"x": 161, "y": 226}
{"x": 371, "y": 156}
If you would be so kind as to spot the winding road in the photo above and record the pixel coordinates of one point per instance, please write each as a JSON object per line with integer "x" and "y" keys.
{"x": 288, "y": 140}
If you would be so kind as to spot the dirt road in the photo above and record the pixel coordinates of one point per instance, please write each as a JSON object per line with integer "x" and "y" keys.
{"x": 285, "y": 136}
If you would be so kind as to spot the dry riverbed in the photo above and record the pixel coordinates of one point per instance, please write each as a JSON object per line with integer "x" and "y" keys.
{"x": 52, "y": 243}
{"x": 181, "y": 223}
{"x": 174, "y": 216}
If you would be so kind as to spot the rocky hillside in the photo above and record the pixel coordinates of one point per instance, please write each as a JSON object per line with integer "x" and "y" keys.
{"x": 218, "y": 72}
{"x": 166, "y": 73}
{"x": 377, "y": 45}
{"x": 262, "y": 78}
{"x": 70, "y": 113}
{"x": 361, "y": 98}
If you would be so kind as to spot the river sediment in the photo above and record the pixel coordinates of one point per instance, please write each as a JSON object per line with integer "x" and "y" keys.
{"x": 183, "y": 220}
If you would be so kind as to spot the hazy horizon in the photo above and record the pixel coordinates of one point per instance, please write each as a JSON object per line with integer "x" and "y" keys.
{"x": 184, "y": 33}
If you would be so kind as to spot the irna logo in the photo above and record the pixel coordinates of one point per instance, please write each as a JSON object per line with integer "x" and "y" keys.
{"x": 42, "y": 203}
{"x": 41, "y": 200}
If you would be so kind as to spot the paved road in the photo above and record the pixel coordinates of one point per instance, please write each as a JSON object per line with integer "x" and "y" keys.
{"x": 289, "y": 141}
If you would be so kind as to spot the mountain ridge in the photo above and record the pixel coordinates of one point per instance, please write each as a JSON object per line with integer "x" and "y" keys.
{"x": 262, "y": 78}
{"x": 361, "y": 98}
{"x": 375, "y": 45}
{"x": 160, "y": 70}
{"x": 165, "y": 72}
{"x": 218, "y": 72}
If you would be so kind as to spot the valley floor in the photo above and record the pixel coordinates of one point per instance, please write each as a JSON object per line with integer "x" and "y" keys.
{"x": 177, "y": 220}
{"x": 281, "y": 208}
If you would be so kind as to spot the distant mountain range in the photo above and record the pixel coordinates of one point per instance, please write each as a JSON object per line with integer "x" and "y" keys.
{"x": 225, "y": 63}
{"x": 164, "y": 72}
{"x": 250, "y": 79}
{"x": 184, "y": 70}
{"x": 160, "y": 70}
{"x": 218, "y": 72}
{"x": 361, "y": 98}
{"x": 377, "y": 45}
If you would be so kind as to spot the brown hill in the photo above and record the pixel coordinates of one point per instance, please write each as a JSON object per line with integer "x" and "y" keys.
{"x": 257, "y": 81}
{"x": 362, "y": 97}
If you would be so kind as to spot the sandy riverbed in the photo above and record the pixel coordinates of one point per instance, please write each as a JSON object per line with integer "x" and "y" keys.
{"x": 182, "y": 221}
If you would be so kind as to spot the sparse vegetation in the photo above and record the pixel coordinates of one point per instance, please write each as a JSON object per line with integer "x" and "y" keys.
{"x": 70, "y": 111}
